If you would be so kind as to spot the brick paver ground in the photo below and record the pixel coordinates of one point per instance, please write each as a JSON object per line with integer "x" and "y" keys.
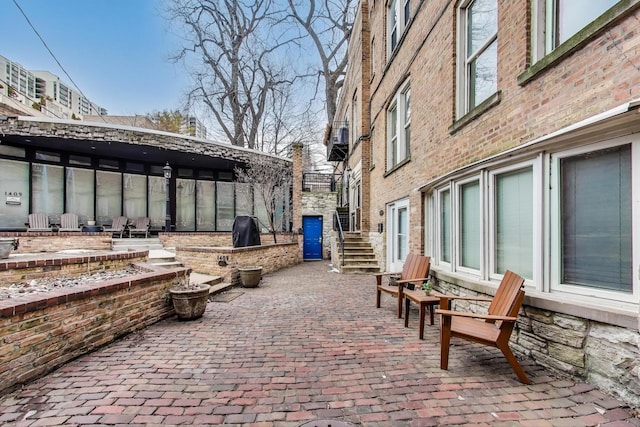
{"x": 308, "y": 344}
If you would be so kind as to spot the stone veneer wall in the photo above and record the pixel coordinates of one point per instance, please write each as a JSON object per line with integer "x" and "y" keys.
{"x": 14, "y": 269}
{"x": 40, "y": 332}
{"x": 225, "y": 261}
{"x": 321, "y": 204}
{"x": 50, "y": 242}
{"x": 605, "y": 355}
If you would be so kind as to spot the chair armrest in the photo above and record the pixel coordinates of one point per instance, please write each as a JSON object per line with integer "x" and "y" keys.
{"x": 422, "y": 279}
{"x": 475, "y": 315}
{"x": 386, "y": 273}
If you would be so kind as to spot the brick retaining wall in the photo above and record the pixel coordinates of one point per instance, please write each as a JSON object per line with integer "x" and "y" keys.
{"x": 210, "y": 239}
{"x": 225, "y": 261}
{"x": 41, "y": 332}
{"x": 49, "y": 241}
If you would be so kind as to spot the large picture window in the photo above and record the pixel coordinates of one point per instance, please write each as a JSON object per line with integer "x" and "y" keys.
{"x": 596, "y": 219}
{"x": 478, "y": 47}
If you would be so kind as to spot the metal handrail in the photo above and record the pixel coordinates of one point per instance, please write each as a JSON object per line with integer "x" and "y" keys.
{"x": 340, "y": 235}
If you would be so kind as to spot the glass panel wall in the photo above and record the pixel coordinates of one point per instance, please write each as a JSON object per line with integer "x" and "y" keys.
{"x": 14, "y": 188}
{"x": 206, "y": 206}
{"x": 79, "y": 197}
{"x": 135, "y": 195}
{"x": 185, "y": 204}
{"x": 225, "y": 206}
{"x": 48, "y": 190}
{"x": 108, "y": 196}
{"x": 244, "y": 199}
{"x": 157, "y": 201}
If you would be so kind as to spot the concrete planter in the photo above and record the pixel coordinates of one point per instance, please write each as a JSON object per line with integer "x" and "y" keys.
{"x": 250, "y": 276}
{"x": 190, "y": 304}
{"x": 6, "y": 245}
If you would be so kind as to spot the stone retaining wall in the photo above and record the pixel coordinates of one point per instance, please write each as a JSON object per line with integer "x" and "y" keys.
{"x": 605, "y": 355}
{"x": 41, "y": 332}
{"x": 31, "y": 242}
{"x": 225, "y": 261}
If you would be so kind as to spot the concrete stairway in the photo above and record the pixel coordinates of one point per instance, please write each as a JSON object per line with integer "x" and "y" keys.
{"x": 358, "y": 255}
{"x": 135, "y": 244}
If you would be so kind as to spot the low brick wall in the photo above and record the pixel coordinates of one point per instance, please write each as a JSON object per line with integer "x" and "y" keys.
{"x": 27, "y": 268}
{"x": 212, "y": 239}
{"x": 225, "y": 261}
{"x": 41, "y": 332}
{"x": 50, "y": 241}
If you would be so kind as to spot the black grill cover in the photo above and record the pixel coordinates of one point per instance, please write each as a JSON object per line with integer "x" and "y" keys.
{"x": 245, "y": 232}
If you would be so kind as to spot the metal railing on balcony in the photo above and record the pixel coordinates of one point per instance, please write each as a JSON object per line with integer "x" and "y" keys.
{"x": 318, "y": 182}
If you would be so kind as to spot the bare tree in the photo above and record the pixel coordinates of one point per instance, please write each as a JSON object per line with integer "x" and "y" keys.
{"x": 328, "y": 23}
{"x": 233, "y": 42}
{"x": 270, "y": 188}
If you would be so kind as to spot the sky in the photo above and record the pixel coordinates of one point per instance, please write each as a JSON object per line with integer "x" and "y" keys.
{"x": 116, "y": 51}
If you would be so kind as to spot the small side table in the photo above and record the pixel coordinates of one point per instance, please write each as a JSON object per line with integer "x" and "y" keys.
{"x": 423, "y": 302}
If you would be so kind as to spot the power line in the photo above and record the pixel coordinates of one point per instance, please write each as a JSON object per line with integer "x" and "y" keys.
{"x": 51, "y": 53}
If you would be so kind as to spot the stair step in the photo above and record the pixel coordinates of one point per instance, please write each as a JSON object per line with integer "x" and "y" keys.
{"x": 168, "y": 264}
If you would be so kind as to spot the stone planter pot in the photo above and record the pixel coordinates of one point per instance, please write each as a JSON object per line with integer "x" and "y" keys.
{"x": 190, "y": 304}
{"x": 6, "y": 245}
{"x": 250, "y": 276}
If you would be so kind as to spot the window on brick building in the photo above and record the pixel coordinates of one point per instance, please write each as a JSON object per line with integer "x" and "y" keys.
{"x": 478, "y": 48}
{"x": 398, "y": 15}
{"x": 556, "y": 21}
{"x": 399, "y": 127}
{"x": 564, "y": 220}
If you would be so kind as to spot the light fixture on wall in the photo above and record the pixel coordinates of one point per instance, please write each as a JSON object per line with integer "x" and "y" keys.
{"x": 167, "y": 213}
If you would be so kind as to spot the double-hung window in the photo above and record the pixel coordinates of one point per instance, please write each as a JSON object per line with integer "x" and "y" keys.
{"x": 556, "y": 21}
{"x": 478, "y": 53}
{"x": 399, "y": 127}
{"x": 398, "y": 15}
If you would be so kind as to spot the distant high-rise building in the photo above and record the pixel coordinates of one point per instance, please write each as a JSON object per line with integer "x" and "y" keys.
{"x": 44, "y": 91}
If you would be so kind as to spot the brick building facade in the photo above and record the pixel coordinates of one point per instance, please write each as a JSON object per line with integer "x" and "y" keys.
{"x": 494, "y": 135}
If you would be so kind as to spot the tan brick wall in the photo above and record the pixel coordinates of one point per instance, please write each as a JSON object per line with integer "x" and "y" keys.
{"x": 224, "y": 262}
{"x": 53, "y": 242}
{"x": 43, "y": 331}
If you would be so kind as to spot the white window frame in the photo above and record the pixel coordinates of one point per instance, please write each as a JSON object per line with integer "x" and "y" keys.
{"x": 398, "y": 19}
{"x": 544, "y": 34}
{"x": 456, "y": 224}
{"x": 465, "y": 58}
{"x": 397, "y": 144}
{"x": 554, "y": 243}
{"x": 537, "y": 226}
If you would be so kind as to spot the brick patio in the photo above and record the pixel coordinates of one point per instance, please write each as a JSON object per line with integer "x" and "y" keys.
{"x": 306, "y": 345}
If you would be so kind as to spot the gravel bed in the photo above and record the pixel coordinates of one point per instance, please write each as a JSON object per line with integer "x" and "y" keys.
{"x": 47, "y": 283}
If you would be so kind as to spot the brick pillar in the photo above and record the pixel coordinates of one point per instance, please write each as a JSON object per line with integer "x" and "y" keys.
{"x": 297, "y": 186}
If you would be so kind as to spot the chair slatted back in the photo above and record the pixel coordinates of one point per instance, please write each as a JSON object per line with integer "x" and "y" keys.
{"x": 119, "y": 222}
{"x": 508, "y": 298}
{"x": 141, "y": 223}
{"x": 415, "y": 267}
{"x": 69, "y": 220}
{"x": 38, "y": 220}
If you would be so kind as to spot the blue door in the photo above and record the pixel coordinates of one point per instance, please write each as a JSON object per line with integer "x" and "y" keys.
{"x": 312, "y": 237}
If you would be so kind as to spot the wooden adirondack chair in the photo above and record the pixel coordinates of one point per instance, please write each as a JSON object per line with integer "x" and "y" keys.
{"x": 117, "y": 225}
{"x": 69, "y": 222}
{"x": 414, "y": 271}
{"x": 140, "y": 226}
{"x": 39, "y": 222}
{"x": 492, "y": 329}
